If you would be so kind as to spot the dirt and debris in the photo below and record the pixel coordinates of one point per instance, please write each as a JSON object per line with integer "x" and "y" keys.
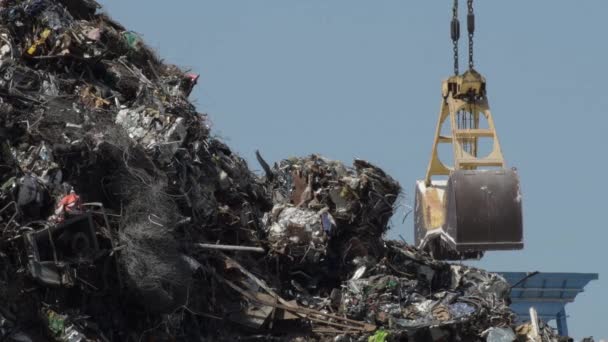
{"x": 123, "y": 219}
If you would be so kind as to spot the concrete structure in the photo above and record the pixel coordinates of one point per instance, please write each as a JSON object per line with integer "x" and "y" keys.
{"x": 548, "y": 293}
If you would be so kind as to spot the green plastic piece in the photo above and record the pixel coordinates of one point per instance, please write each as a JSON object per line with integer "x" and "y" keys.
{"x": 379, "y": 336}
{"x": 132, "y": 39}
{"x": 56, "y": 322}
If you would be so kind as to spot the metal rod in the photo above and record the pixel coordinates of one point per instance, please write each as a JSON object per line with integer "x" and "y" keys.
{"x": 529, "y": 275}
{"x": 231, "y": 247}
{"x": 107, "y": 226}
{"x": 343, "y": 322}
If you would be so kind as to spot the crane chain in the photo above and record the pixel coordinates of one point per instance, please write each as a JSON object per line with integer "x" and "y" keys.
{"x": 471, "y": 31}
{"x": 455, "y": 34}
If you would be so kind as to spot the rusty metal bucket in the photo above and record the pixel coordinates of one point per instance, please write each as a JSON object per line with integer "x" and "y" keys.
{"x": 483, "y": 210}
{"x": 474, "y": 211}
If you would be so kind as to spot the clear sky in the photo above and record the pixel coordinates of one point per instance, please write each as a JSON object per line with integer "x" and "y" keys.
{"x": 354, "y": 78}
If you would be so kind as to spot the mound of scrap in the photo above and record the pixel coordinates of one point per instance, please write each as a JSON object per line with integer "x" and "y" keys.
{"x": 123, "y": 219}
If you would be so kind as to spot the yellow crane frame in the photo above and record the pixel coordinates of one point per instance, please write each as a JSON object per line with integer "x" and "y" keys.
{"x": 457, "y": 91}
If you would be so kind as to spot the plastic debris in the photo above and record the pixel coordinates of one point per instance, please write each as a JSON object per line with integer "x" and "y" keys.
{"x": 500, "y": 335}
{"x": 379, "y": 336}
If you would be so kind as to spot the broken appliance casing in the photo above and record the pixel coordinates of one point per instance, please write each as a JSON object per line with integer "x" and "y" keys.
{"x": 52, "y": 250}
{"x": 477, "y": 206}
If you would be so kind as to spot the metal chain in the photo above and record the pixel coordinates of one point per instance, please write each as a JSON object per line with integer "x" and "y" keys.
{"x": 455, "y": 34}
{"x": 471, "y": 31}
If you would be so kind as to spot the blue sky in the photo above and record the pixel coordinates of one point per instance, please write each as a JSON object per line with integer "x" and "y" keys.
{"x": 354, "y": 78}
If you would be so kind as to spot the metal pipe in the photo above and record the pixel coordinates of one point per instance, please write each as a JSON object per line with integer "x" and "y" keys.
{"x": 231, "y": 247}
{"x": 535, "y": 327}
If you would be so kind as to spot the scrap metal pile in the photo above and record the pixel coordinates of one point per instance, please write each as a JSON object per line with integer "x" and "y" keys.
{"x": 123, "y": 219}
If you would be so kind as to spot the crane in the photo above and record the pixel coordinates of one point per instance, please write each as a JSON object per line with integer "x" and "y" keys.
{"x": 474, "y": 205}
